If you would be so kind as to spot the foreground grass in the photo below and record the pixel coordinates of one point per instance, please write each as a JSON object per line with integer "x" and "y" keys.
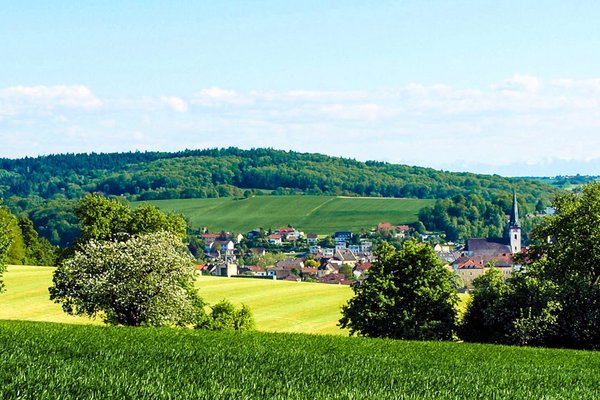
{"x": 62, "y": 361}
{"x": 315, "y": 214}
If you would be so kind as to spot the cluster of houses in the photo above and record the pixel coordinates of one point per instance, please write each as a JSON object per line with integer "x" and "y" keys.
{"x": 354, "y": 256}
{"x": 222, "y": 255}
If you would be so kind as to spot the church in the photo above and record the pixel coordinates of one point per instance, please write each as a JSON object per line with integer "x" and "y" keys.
{"x": 480, "y": 254}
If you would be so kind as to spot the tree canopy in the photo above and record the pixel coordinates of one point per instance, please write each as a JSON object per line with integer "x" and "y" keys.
{"x": 104, "y": 218}
{"x": 144, "y": 280}
{"x": 555, "y": 299}
{"x": 408, "y": 294}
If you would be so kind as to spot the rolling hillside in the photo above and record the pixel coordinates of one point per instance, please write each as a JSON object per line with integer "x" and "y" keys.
{"x": 315, "y": 214}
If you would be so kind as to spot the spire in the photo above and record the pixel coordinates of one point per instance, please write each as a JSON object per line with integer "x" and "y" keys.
{"x": 514, "y": 215}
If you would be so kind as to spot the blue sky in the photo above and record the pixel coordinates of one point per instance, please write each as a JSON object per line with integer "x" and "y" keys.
{"x": 498, "y": 87}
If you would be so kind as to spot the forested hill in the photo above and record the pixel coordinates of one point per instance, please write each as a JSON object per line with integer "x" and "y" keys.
{"x": 468, "y": 205}
{"x": 227, "y": 172}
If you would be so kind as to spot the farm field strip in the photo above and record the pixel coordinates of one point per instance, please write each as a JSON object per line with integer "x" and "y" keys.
{"x": 49, "y": 361}
{"x": 278, "y": 306}
{"x": 316, "y": 214}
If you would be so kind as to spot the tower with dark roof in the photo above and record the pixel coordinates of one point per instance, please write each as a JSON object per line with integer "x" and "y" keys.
{"x": 514, "y": 227}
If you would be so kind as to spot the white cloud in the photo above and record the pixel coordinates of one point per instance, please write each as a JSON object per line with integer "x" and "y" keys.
{"x": 216, "y": 96}
{"x": 519, "y": 82}
{"x": 523, "y": 119}
{"x": 77, "y": 96}
{"x": 175, "y": 103}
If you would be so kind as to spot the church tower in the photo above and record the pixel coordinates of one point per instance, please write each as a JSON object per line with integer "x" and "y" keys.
{"x": 514, "y": 227}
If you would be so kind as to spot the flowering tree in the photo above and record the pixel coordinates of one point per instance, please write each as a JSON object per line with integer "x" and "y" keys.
{"x": 144, "y": 280}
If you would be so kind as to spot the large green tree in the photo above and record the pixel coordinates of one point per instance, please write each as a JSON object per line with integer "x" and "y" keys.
{"x": 408, "y": 294}
{"x": 5, "y": 242}
{"x": 555, "y": 300}
{"x": 104, "y": 218}
{"x": 144, "y": 280}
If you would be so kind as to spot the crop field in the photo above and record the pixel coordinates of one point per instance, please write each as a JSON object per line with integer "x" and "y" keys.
{"x": 63, "y": 361}
{"x": 315, "y": 214}
{"x": 281, "y": 306}
{"x": 278, "y": 306}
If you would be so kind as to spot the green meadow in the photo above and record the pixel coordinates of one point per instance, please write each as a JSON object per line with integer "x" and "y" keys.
{"x": 278, "y": 306}
{"x": 64, "y": 361}
{"x": 315, "y": 214}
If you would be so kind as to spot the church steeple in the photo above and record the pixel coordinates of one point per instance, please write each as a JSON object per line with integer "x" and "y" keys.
{"x": 514, "y": 227}
{"x": 514, "y": 215}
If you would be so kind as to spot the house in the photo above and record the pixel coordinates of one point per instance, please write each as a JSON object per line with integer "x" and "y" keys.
{"x": 289, "y": 233}
{"x": 404, "y": 229}
{"x": 256, "y": 270}
{"x": 365, "y": 245}
{"x": 291, "y": 263}
{"x": 354, "y": 248}
{"x": 253, "y": 234}
{"x": 384, "y": 227}
{"x": 226, "y": 269}
{"x": 328, "y": 266}
{"x": 274, "y": 239}
{"x": 469, "y": 268}
{"x": 201, "y": 269}
{"x": 225, "y": 247}
{"x": 314, "y": 249}
{"x": 361, "y": 269}
{"x": 312, "y": 238}
{"x": 335, "y": 279}
{"x": 346, "y": 257}
{"x": 210, "y": 238}
{"x": 327, "y": 252}
{"x": 340, "y": 246}
{"x": 293, "y": 278}
{"x": 259, "y": 251}
{"x": 310, "y": 271}
{"x": 342, "y": 236}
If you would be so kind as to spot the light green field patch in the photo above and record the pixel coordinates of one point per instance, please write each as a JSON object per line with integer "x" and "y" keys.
{"x": 315, "y": 214}
{"x": 281, "y": 306}
{"x": 27, "y": 298}
{"x": 278, "y": 306}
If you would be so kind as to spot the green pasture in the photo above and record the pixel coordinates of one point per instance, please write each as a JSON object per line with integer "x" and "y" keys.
{"x": 315, "y": 214}
{"x": 27, "y": 298}
{"x": 64, "y": 361}
{"x": 278, "y": 306}
{"x": 282, "y": 306}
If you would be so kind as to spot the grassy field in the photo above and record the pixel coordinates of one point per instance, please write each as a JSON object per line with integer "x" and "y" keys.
{"x": 278, "y": 306}
{"x": 281, "y": 306}
{"x": 315, "y": 214}
{"x": 27, "y": 297}
{"x": 62, "y": 361}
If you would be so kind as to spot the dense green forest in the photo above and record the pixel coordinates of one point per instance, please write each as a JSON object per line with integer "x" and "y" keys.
{"x": 41, "y": 187}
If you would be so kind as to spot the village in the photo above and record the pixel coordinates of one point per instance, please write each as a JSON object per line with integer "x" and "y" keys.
{"x": 344, "y": 258}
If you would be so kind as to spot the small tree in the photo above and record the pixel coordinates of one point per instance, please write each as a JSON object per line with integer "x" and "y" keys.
{"x": 5, "y": 242}
{"x": 145, "y": 280}
{"x": 407, "y": 295}
{"x": 225, "y": 316}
